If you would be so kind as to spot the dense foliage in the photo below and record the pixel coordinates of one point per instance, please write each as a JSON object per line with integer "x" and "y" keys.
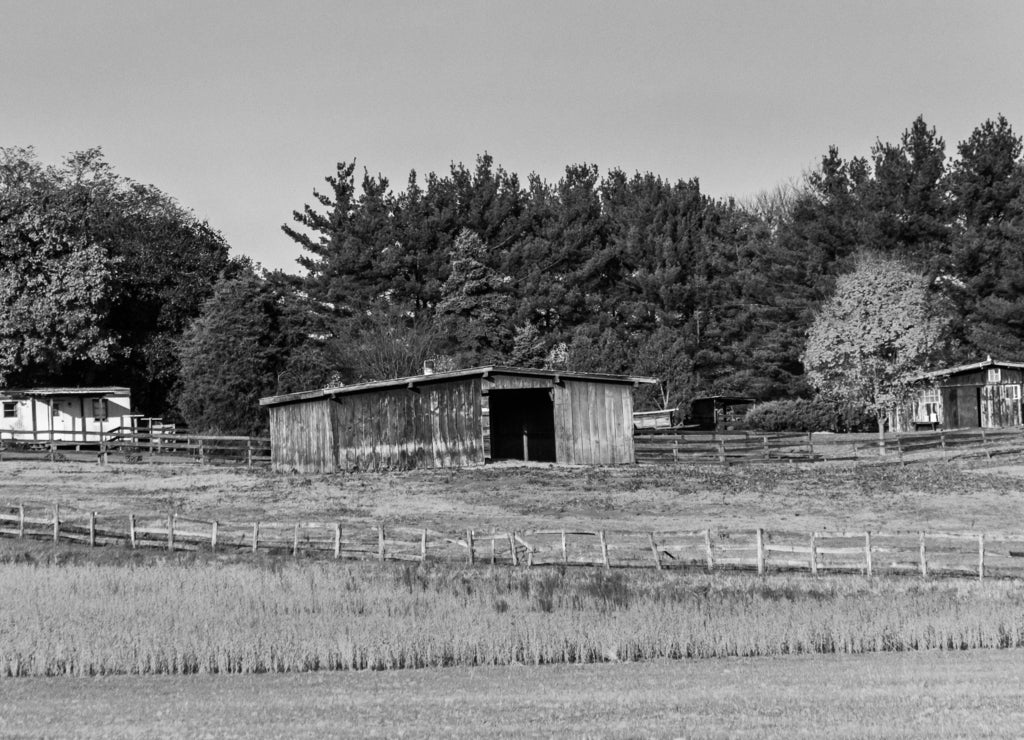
{"x": 631, "y": 273}
{"x": 99, "y": 275}
{"x": 807, "y": 415}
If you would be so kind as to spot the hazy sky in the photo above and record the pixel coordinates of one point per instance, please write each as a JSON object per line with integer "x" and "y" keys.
{"x": 239, "y": 109}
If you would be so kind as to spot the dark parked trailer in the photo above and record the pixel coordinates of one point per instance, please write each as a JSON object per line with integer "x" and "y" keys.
{"x": 455, "y": 419}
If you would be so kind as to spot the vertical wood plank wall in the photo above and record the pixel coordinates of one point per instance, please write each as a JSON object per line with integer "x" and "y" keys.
{"x": 301, "y": 438}
{"x": 593, "y": 423}
{"x": 432, "y": 425}
{"x": 440, "y": 424}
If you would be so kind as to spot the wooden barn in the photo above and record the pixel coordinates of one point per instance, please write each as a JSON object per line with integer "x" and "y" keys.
{"x": 454, "y": 419}
{"x": 981, "y": 394}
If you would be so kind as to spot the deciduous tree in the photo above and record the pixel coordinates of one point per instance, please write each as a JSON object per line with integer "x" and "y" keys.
{"x": 873, "y": 335}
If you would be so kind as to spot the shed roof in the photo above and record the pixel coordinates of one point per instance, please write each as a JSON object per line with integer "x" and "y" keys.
{"x": 725, "y": 399}
{"x": 106, "y": 390}
{"x": 970, "y": 367}
{"x": 482, "y": 372}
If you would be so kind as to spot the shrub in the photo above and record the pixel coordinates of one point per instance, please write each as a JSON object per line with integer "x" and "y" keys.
{"x": 807, "y": 415}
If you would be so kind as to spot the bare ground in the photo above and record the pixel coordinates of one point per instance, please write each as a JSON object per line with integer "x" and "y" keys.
{"x": 933, "y": 496}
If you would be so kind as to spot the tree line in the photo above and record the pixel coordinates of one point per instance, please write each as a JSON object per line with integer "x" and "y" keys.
{"x": 613, "y": 272}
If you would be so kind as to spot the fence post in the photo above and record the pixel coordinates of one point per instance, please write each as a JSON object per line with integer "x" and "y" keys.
{"x": 131, "y": 530}
{"x": 469, "y": 546}
{"x": 565, "y": 549}
{"x": 766, "y": 454}
{"x": 512, "y": 547}
{"x": 709, "y": 551}
{"x": 814, "y": 554}
{"x": 92, "y": 529}
{"x": 760, "y": 552}
{"x": 604, "y": 550}
{"x": 899, "y": 449}
{"x": 493, "y": 546}
{"x": 924, "y": 560}
{"x": 202, "y": 453}
{"x": 21, "y": 520}
{"x": 423, "y": 546}
{"x": 213, "y": 536}
{"x": 654, "y": 549}
{"x": 867, "y": 554}
{"x": 248, "y": 451}
{"x": 984, "y": 444}
{"x": 721, "y": 451}
{"x": 56, "y": 523}
{"x": 981, "y": 556}
{"x": 170, "y": 532}
{"x": 381, "y": 536}
{"x": 942, "y": 441}
{"x": 255, "y": 536}
{"x": 337, "y": 540}
{"x": 810, "y": 444}
{"x": 295, "y": 541}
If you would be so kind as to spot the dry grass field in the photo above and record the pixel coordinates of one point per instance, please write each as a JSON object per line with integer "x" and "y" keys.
{"x": 959, "y": 496}
{"x": 285, "y": 616}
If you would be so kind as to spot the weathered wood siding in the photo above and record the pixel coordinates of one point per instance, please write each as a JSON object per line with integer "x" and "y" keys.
{"x": 434, "y": 425}
{"x": 1000, "y": 405}
{"x": 593, "y": 423}
{"x": 301, "y": 437}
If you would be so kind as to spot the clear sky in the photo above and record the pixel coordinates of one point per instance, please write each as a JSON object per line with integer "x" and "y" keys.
{"x": 239, "y": 109}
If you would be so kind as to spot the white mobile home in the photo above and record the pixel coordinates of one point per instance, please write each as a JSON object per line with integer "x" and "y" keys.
{"x": 63, "y": 414}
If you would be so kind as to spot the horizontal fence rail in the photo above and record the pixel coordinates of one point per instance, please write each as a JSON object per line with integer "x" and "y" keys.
{"x": 136, "y": 446}
{"x": 728, "y": 448}
{"x": 925, "y": 554}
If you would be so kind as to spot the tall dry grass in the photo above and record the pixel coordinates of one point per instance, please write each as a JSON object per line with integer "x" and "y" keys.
{"x": 210, "y": 617}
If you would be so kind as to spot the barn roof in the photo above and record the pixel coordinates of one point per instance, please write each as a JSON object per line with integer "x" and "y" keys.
{"x": 473, "y": 372}
{"x": 971, "y": 367}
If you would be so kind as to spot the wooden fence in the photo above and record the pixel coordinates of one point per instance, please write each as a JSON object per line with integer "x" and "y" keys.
{"x": 137, "y": 446}
{"x": 747, "y": 447}
{"x": 973, "y": 554}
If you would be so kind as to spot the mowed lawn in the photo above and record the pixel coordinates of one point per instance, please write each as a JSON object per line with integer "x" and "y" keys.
{"x": 914, "y": 695}
{"x": 975, "y": 495}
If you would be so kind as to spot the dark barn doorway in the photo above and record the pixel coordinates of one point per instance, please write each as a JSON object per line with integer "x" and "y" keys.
{"x": 522, "y": 424}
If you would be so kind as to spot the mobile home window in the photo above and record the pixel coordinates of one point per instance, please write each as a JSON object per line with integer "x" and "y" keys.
{"x": 99, "y": 409}
{"x": 10, "y": 409}
{"x": 995, "y": 375}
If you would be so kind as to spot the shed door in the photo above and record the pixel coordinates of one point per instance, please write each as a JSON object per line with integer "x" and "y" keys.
{"x": 522, "y": 424}
{"x": 968, "y": 407}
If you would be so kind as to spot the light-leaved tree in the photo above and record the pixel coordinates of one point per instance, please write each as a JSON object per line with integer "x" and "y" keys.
{"x": 874, "y": 334}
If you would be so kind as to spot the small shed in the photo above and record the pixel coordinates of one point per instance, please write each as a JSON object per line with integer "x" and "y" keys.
{"x": 719, "y": 412}
{"x": 454, "y": 419}
{"x": 64, "y": 414}
{"x": 980, "y": 394}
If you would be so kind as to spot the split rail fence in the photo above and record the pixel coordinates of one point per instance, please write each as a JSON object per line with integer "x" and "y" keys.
{"x": 136, "y": 446}
{"x": 747, "y": 447}
{"x": 973, "y": 554}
